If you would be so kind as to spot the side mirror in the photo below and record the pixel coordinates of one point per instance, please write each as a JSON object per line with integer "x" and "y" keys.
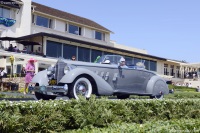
{"x": 106, "y": 62}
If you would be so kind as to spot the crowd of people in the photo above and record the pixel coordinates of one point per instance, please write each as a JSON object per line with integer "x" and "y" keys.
{"x": 183, "y": 84}
{"x": 24, "y": 50}
{"x": 187, "y": 85}
{"x": 192, "y": 75}
{"x": 15, "y": 49}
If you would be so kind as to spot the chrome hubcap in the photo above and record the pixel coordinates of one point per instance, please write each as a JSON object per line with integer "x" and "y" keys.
{"x": 81, "y": 88}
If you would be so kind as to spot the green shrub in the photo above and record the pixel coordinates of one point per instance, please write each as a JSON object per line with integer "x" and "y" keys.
{"x": 60, "y": 115}
{"x": 170, "y": 126}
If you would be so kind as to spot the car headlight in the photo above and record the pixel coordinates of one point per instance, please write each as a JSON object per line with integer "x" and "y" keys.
{"x": 67, "y": 69}
{"x": 50, "y": 70}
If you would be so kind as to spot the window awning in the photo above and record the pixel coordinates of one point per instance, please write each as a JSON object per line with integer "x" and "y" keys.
{"x": 11, "y": 3}
{"x": 9, "y": 39}
{"x": 42, "y": 34}
{"x": 26, "y": 43}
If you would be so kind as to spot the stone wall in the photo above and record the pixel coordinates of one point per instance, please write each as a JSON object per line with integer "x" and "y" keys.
{"x": 18, "y": 80}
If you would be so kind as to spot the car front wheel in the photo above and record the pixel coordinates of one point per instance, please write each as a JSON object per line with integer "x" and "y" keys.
{"x": 80, "y": 87}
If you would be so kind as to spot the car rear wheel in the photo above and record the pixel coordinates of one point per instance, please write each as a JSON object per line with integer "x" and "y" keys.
{"x": 159, "y": 89}
{"x": 41, "y": 96}
{"x": 123, "y": 96}
{"x": 80, "y": 87}
{"x": 157, "y": 97}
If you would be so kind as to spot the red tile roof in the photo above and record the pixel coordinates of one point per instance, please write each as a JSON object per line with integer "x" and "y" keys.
{"x": 67, "y": 16}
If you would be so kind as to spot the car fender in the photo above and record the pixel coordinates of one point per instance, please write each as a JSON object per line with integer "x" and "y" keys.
{"x": 41, "y": 78}
{"x": 157, "y": 84}
{"x": 103, "y": 87}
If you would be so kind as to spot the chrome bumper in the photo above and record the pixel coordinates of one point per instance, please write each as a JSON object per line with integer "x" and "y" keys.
{"x": 46, "y": 89}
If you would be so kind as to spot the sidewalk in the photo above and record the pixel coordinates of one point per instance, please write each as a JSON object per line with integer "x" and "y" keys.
{"x": 18, "y": 94}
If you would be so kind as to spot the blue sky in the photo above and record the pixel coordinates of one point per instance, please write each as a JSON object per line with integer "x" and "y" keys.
{"x": 165, "y": 28}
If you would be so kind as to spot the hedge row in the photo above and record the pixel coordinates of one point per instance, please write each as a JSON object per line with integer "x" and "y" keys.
{"x": 60, "y": 115}
{"x": 170, "y": 126}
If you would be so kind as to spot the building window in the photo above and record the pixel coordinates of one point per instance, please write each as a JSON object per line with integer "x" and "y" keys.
{"x": 99, "y": 36}
{"x": 8, "y": 69}
{"x": 129, "y": 61}
{"x": 74, "y": 29}
{"x": 146, "y": 64}
{"x": 4, "y": 12}
{"x": 19, "y": 68}
{"x": 172, "y": 70}
{"x": 33, "y": 18}
{"x": 54, "y": 49}
{"x": 178, "y": 71}
{"x": 42, "y": 21}
{"x": 165, "y": 65}
{"x": 153, "y": 65}
{"x": 69, "y": 51}
{"x": 95, "y": 54}
{"x": 83, "y": 54}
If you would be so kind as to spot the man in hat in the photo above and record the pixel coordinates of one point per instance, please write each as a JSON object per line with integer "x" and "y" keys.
{"x": 122, "y": 63}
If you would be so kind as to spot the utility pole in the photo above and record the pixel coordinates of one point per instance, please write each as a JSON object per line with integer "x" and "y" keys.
{"x": 11, "y": 61}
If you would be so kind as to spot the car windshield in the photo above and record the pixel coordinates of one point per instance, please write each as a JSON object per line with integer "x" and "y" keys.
{"x": 114, "y": 59}
{"x": 101, "y": 59}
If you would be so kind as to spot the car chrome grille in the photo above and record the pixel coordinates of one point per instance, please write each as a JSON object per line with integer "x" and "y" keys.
{"x": 60, "y": 65}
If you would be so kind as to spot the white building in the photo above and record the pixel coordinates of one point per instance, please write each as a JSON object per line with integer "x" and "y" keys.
{"x": 61, "y": 34}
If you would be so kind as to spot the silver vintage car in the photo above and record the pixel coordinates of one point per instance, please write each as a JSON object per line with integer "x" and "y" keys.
{"x": 106, "y": 77}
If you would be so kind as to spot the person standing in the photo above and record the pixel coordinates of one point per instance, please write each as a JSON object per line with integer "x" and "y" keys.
{"x": 10, "y": 48}
{"x": 3, "y": 73}
{"x": 73, "y": 58}
{"x": 16, "y": 49}
{"x": 190, "y": 85}
{"x": 30, "y": 70}
{"x": 198, "y": 89}
{"x": 1, "y": 69}
{"x": 23, "y": 72}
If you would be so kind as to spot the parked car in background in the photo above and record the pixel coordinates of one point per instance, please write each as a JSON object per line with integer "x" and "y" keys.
{"x": 103, "y": 78}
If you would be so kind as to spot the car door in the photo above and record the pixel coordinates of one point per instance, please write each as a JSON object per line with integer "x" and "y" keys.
{"x": 132, "y": 80}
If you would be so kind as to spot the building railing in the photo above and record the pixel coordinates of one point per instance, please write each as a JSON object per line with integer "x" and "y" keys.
{"x": 25, "y": 52}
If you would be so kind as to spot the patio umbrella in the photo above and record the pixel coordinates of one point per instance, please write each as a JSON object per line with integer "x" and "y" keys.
{"x": 8, "y": 39}
{"x": 26, "y": 43}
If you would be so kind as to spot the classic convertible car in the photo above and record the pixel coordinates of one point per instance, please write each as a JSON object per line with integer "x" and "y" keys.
{"x": 103, "y": 78}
